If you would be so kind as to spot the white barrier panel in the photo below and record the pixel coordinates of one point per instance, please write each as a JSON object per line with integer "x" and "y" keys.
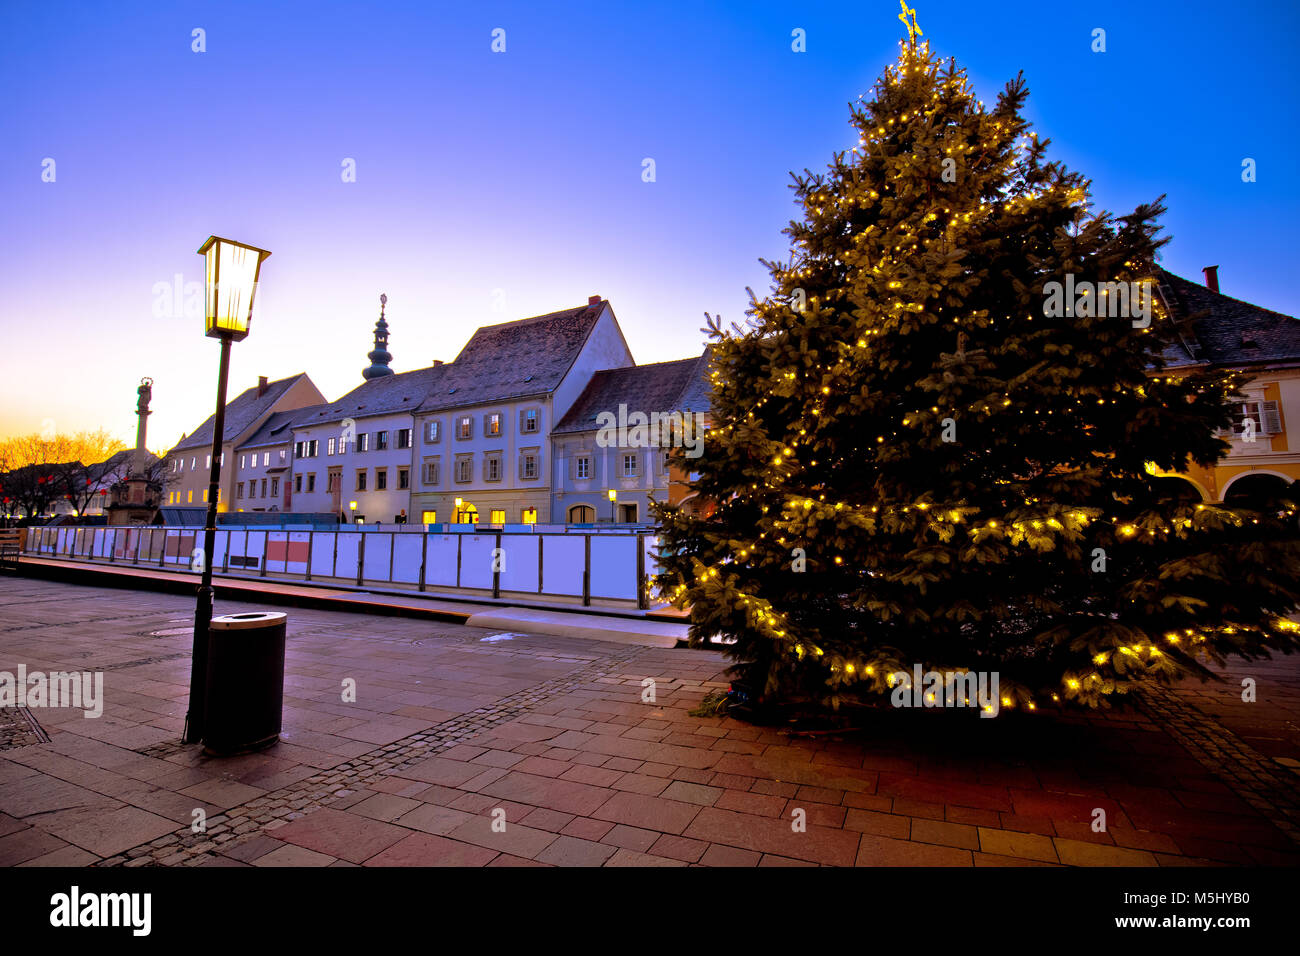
{"x": 348, "y": 548}
{"x": 613, "y": 567}
{"x": 255, "y": 554}
{"x": 322, "y": 554}
{"x": 563, "y": 559}
{"x": 519, "y": 562}
{"x": 407, "y": 552}
{"x": 440, "y": 561}
{"x": 476, "y": 560}
{"x": 298, "y": 552}
{"x": 220, "y": 545}
{"x": 103, "y": 543}
{"x": 379, "y": 551}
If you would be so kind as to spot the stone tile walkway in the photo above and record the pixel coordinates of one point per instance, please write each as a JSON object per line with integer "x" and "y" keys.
{"x": 456, "y": 731}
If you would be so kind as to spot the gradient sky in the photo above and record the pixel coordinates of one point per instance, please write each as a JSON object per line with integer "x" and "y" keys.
{"x": 521, "y": 171}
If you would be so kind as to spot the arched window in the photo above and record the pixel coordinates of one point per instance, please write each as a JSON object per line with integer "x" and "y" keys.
{"x": 582, "y": 514}
{"x": 468, "y": 514}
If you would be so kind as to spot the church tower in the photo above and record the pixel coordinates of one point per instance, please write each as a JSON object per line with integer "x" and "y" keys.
{"x": 379, "y": 356}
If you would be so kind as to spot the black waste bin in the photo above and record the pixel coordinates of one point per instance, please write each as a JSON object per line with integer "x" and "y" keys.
{"x": 245, "y": 682}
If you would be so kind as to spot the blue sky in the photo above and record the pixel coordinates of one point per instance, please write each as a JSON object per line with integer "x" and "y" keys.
{"x": 514, "y": 179}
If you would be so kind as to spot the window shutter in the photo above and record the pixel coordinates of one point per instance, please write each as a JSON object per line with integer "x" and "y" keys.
{"x": 1272, "y": 419}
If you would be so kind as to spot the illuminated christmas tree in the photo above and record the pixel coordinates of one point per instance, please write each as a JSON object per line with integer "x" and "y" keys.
{"x": 935, "y": 438}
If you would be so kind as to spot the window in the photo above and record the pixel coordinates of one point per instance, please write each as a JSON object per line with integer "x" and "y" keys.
{"x": 194, "y": 463}
{"x": 529, "y": 516}
{"x": 275, "y": 487}
{"x": 492, "y": 467}
{"x": 243, "y": 461}
{"x": 361, "y": 480}
{"x": 464, "y": 468}
{"x": 297, "y": 483}
{"x": 266, "y": 459}
{"x": 465, "y": 427}
{"x": 1264, "y": 415}
{"x": 429, "y": 517}
{"x": 468, "y": 514}
{"x": 282, "y": 456}
{"x": 190, "y": 499}
{"x": 381, "y": 441}
{"x": 492, "y": 424}
{"x": 403, "y": 438}
{"x": 313, "y": 448}
{"x": 498, "y": 516}
{"x": 403, "y": 478}
{"x": 627, "y": 514}
{"x": 297, "y": 449}
{"x": 432, "y": 432}
{"x": 208, "y": 463}
{"x": 431, "y": 472}
{"x": 239, "y": 489}
{"x": 629, "y": 465}
{"x": 528, "y": 464}
{"x": 528, "y": 421}
{"x": 582, "y": 466}
{"x": 330, "y": 448}
{"x": 311, "y": 482}
{"x": 582, "y": 514}
{"x": 381, "y": 479}
{"x": 263, "y": 487}
{"x": 363, "y": 441}
{"x": 333, "y": 481}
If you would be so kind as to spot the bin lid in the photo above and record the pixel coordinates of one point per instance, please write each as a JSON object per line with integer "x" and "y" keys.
{"x": 234, "y": 622}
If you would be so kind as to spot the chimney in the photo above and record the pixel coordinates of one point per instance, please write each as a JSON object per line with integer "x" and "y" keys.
{"x": 437, "y": 362}
{"x": 593, "y": 300}
{"x": 261, "y": 385}
{"x": 1211, "y": 278}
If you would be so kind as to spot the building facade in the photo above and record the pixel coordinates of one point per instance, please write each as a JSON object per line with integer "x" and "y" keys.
{"x": 483, "y": 432}
{"x": 1216, "y": 330}
{"x": 187, "y": 477}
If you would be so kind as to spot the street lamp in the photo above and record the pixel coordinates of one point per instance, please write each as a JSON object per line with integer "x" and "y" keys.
{"x": 613, "y": 506}
{"x": 459, "y": 502}
{"x": 231, "y": 274}
{"x": 352, "y": 506}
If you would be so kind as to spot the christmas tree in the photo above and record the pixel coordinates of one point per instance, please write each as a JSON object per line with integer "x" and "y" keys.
{"x": 935, "y": 439}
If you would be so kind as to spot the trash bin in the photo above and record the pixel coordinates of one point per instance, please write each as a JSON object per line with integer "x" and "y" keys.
{"x": 245, "y": 682}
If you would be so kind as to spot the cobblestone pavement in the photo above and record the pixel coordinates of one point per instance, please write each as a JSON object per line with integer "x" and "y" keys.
{"x": 456, "y": 731}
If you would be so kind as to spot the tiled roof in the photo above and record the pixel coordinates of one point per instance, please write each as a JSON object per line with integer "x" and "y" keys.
{"x": 514, "y": 359}
{"x": 661, "y": 387}
{"x": 378, "y": 396}
{"x": 278, "y": 429}
{"x": 1227, "y": 331}
{"x": 240, "y": 414}
{"x": 119, "y": 460}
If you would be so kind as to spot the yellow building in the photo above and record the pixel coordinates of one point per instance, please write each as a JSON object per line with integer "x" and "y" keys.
{"x": 1216, "y": 330}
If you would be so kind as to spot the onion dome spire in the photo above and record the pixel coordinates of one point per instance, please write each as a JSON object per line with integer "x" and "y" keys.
{"x": 379, "y": 356}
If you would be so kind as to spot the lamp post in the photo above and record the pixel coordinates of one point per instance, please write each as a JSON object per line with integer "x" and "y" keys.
{"x": 613, "y": 506}
{"x": 231, "y": 271}
{"x": 459, "y": 502}
{"x": 352, "y": 508}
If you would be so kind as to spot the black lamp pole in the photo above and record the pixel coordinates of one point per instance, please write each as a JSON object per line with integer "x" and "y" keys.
{"x": 203, "y": 608}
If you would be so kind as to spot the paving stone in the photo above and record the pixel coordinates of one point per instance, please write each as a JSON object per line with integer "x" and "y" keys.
{"x": 571, "y": 851}
{"x": 886, "y": 851}
{"x": 1078, "y": 853}
{"x": 427, "y": 849}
